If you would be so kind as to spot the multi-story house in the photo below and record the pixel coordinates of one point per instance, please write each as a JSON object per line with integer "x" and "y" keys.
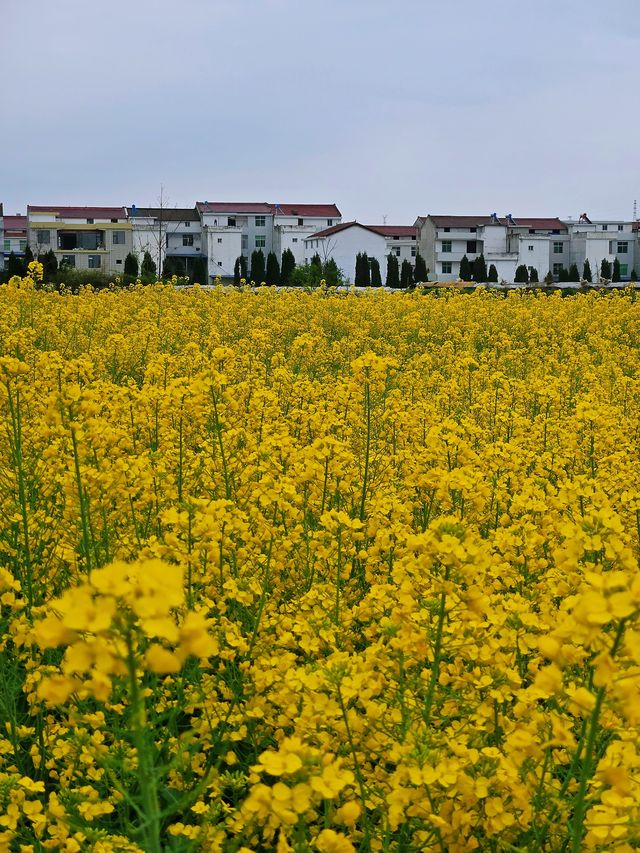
{"x": 600, "y": 240}
{"x": 401, "y": 241}
{"x": 167, "y": 232}
{"x": 345, "y": 241}
{"x": 14, "y": 238}
{"x": 81, "y": 237}
{"x": 538, "y": 243}
{"x": 293, "y": 223}
{"x": 231, "y": 229}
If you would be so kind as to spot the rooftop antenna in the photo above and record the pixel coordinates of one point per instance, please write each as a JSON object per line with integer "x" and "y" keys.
{"x": 635, "y": 210}
{"x": 384, "y": 219}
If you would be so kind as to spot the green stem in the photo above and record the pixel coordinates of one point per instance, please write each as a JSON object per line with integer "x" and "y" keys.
{"x": 150, "y": 827}
{"x": 367, "y": 448}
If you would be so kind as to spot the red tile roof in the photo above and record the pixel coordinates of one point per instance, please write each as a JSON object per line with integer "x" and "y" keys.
{"x": 65, "y": 212}
{"x": 329, "y": 211}
{"x": 395, "y": 230}
{"x": 335, "y": 229}
{"x": 15, "y": 223}
{"x": 234, "y": 207}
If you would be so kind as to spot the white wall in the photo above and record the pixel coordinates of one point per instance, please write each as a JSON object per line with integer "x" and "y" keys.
{"x": 223, "y": 246}
{"x": 533, "y": 251}
{"x": 345, "y": 245}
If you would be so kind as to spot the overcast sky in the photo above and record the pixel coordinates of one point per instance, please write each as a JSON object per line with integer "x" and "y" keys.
{"x": 393, "y": 109}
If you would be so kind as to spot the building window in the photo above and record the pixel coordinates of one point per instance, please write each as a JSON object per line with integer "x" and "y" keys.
{"x": 398, "y": 252}
{"x": 118, "y": 238}
{"x": 114, "y": 220}
{"x": 446, "y": 230}
{"x": 446, "y": 245}
{"x": 219, "y": 263}
{"x": 89, "y": 221}
{"x": 94, "y": 262}
{"x": 623, "y": 247}
{"x": 231, "y": 222}
{"x": 7, "y": 245}
{"x": 187, "y": 239}
{"x": 68, "y": 260}
{"x": 446, "y": 266}
{"x": 43, "y": 238}
{"x": 329, "y": 222}
{"x": 557, "y": 268}
{"x": 472, "y": 230}
{"x": 472, "y": 246}
{"x": 187, "y": 225}
{"x": 300, "y": 221}
{"x": 620, "y": 227}
{"x": 558, "y": 247}
{"x": 605, "y": 227}
{"x": 532, "y": 230}
{"x": 530, "y": 247}
{"x": 624, "y": 269}
{"x": 414, "y": 237}
{"x": 261, "y": 221}
{"x": 555, "y": 231}
{"x": 261, "y": 241}
{"x": 395, "y": 237}
{"x": 119, "y": 262}
{"x": 294, "y": 240}
{"x": 219, "y": 239}
{"x": 23, "y": 245}
{"x": 413, "y": 251}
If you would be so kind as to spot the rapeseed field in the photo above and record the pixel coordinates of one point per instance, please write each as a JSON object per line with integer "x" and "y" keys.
{"x": 318, "y": 572}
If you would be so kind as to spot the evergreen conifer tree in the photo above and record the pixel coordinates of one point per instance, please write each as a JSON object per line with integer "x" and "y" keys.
{"x": 168, "y": 267}
{"x": 605, "y": 269}
{"x": 466, "y": 270}
{"x": 376, "y": 278}
{"x": 14, "y": 265}
{"x": 148, "y": 267}
{"x": 574, "y": 273}
{"x": 49, "y": 265}
{"x": 131, "y": 265}
{"x": 420, "y": 271}
{"x": 258, "y": 270}
{"x": 492, "y": 275}
{"x": 633, "y": 275}
{"x": 548, "y": 279}
{"x": 522, "y": 275}
{"x": 586, "y": 271}
{"x": 393, "y": 272}
{"x": 615, "y": 272}
{"x": 533, "y": 276}
{"x": 273, "y": 269}
{"x": 479, "y": 269}
{"x": 406, "y": 274}
{"x": 331, "y": 273}
{"x": 287, "y": 266}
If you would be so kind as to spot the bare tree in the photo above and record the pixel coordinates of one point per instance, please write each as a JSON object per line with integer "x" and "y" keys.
{"x": 160, "y": 230}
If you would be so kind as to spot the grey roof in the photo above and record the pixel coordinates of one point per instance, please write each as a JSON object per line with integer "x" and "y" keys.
{"x": 168, "y": 214}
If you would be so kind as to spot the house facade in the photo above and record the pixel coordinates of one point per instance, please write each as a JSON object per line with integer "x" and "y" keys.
{"x": 174, "y": 233}
{"x": 231, "y": 229}
{"x": 600, "y": 240}
{"x": 293, "y": 223}
{"x": 81, "y": 237}
{"x": 540, "y": 243}
{"x": 14, "y": 237}
{"x": 345, "y": 241}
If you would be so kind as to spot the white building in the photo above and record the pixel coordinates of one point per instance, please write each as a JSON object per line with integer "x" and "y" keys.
{"x": 345, "y": 241}
{"x": 231, "y": 229}
{"x": 538, "y": 243}
{"x": 167, "y": 232}
{"x": 293, "y": 223}
{"x": 600, "y": 240}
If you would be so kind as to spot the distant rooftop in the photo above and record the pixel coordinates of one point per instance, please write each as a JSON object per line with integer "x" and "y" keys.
{"x": 167, "y": 214}
{"x": 66, "y": 212}
{"x": 233, "y": 207}
{"x": 536, "y": 223}
{"x": 382, "y": 230}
